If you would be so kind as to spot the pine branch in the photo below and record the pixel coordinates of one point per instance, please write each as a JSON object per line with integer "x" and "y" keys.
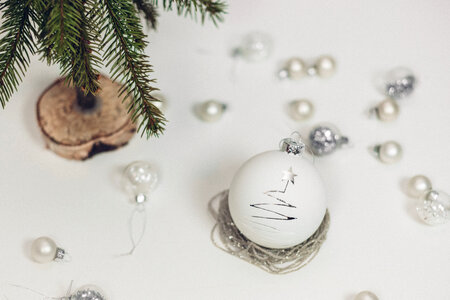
{"x": 16, "y": 45}
{"x": 148, "y": 10}
{"x": 123, "y": 46}
{"x": 214, "y": 9}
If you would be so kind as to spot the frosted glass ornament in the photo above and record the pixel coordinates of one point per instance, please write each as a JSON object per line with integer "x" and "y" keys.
{"x": 434, "y": 207}
{"x": 277, "y": 200}
{"x": 139, "y": 179}
{"x": 254, "y": 47}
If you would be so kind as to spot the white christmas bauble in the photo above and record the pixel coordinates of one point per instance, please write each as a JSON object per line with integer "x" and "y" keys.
{"x": 277, "y": 200}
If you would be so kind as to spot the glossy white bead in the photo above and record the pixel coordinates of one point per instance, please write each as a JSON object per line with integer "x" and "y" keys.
{"x": 296, "y": 68}
{"x": 434, "y": 207}
{"x": 211, "y": 111}
{"x": 301, "y": 110}
{"x": 255, "y": 46}
{"x": 418, "y": 185}
{"x": 43, "y": 250}
{"x": 325, "y": 66}
{"x": 387, "y": 110}
{"x": 366, "y": 295}
{"x": 389, "y": 152}
{"x": 139, "y": 179}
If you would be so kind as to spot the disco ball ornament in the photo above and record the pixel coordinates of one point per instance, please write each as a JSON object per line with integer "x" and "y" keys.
{"x": 277, "y": 198}
{"x": 434, "y": 207}
{"x": 88, "y": 292}
{"x": 325, "y": 139}
{"x": 399, "y": 83}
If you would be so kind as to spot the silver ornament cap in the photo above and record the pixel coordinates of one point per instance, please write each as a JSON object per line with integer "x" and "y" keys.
{"x": 293, "y": 145}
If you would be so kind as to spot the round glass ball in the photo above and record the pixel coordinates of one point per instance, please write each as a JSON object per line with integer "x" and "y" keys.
{"x": 139, "y": 179}
{"x": 434, "y": 207}
{"x": 255, "y": 46}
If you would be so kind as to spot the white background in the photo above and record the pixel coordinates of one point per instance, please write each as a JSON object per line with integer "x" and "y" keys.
{"x": 375, "y": 242}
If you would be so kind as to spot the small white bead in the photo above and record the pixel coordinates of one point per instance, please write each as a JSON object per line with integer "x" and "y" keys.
{"x": 418, "y": 185}
{"x": 296, "y": 68}
{"x": 211, "y": 111}
{"x": 390, "y": 152}
{"x": 43, "y": 250}
{"x": 325, "y": 66}
{"x": 387, "y": 110}
{"x": 301, "y": 109}
{"x": 366, "y": 295}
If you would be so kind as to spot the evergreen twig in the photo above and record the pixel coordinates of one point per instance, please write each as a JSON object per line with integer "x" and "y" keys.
{"x": 149, "y": 11}
{"x": 214, "y": 9}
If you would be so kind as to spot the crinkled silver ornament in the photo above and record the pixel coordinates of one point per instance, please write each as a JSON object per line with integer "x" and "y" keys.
{"x": 400, "y": 82}
{"x": 324, "y": 140}
{"x": 434, "y": 207}
{"x": 88, "y": 293}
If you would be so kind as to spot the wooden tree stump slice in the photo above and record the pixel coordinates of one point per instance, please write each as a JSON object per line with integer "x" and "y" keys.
{"x": 76, "y": 134}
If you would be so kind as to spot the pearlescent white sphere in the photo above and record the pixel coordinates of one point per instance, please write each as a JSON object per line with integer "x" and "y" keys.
{"x": 139, "y": 179}
{"x": 301, "y": 109}
{"x": 366, "y": 295}
{"x": 296, "y": 68}
{"x": 255, "y": 46}
{"x": 390, "y": 152}
{"x": 277, "y": 200}
{"x": 162, "y": 104}
{"x": 434, "y": 207}
{"x": 211, "y": 111}
{"x": 387, "y": 110}
{"x": 325, "y": 66}
{"x": 43, "y": 250}
{"x": 418, "y": 185}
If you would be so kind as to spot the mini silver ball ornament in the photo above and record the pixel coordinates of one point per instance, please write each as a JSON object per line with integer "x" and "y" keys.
{"x": 325, "y": 140}
{"x": 88, "y": 292}
{"x": 301, "y": 109}
{"x": 211, "y": 111}
{"x": 255, "y": 46}
{"x": 399, "y": 83}
{"x": 387, "y": 110}
{"x": 418, "y": 185}
{"x": 366, "y": 295}
{"x": 434, "y": 207}
{"x": 139, "y": 179}
{"x": 389, "y": 152}
{"x": 44, "y": 250}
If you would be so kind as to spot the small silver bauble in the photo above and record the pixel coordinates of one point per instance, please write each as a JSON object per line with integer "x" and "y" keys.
{"x": 399, "y": 83}
{"x": 255, "y": 46}
{"x": 386, "y": 110}
{"x": 210, "y": 111}
{"x": 388, "y": 152}
{"x": 325, "y": 66}
{"x": 325, "y": 140}
{"x": 44, "y": 250}
{"x": 434, "y": 207}
{"x": 366, "y": 295}
{"x": 301, "y": 110}
{"x": 139, "y": 179}
{"x": 89, "y": 292}
{"x": 418, "y": 185}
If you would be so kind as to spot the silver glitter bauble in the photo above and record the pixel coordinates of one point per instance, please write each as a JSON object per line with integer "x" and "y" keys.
{"x": 400, "y": 82}
{"x": 324, "y": 140}
{"x": 434, "y": 207}
{"x": 88, "y": 293}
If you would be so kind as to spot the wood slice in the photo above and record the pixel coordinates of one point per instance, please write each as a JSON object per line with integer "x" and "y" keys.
{"x": 76, "y": 134}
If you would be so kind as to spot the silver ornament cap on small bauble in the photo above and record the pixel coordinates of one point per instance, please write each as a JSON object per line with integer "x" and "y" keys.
{"x": 277, "y": 198}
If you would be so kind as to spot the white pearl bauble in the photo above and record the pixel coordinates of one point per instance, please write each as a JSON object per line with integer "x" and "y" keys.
{"x": 434, "y": 207}
{"x": 387, "y": 110}
{"x": 264, "y": 219}
{"x": 139, "y": 179}
{"x": 325, "y": 66}
{"x": 418, "y": 185}
{"x": 390, "y": 152}
{"x": 296, "y": 68}
{"x": 43, "y": 250}
{"x": 255, "y": 46}
{"x": 366, "y": 295}
{"x": 301, "y": 109}
{"x": 211, "y": 111}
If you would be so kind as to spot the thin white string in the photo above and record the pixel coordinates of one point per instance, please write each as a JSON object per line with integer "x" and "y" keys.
{"x": 138, "y": 212}
{"x": 36, "y": 292}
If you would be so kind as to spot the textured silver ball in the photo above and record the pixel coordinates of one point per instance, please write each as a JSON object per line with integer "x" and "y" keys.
{"x": 418, "y": 185}
{"x": 400, "y": 82}
{"x": 325, "y": 66}
{"x": 43, "y": 250}
{"x": 366, "y": 295}
{"x": 324, "y": 140}
{"x": 211, "y": 111}
{"x": 90, "y": 292}
{"x": 387, "y": 110}
{"x": 389, "y": 152}
{"x": 301, "y": 110}
{"x": 296, "y": 68}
